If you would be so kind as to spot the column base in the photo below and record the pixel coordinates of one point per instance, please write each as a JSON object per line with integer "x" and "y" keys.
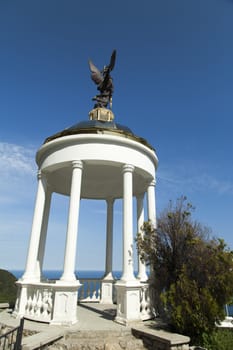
{"x": 142, "y": 277}
{"x": 65, "y": 278}
{"x": 128, "y": 302}
{"x": 65, "y": 306}
{"x": 30, "y": 278}
{"x": 107, "y": 289}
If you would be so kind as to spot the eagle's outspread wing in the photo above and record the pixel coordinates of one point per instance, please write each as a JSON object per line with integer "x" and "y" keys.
{"x": 112, "y": 60}
{"x": 96, "y": 75}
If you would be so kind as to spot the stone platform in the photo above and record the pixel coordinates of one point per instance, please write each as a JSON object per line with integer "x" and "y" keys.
{"x": 96, "y": 329}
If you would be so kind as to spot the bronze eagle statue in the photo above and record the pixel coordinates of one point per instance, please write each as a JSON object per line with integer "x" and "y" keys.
{"x": 104, "y": 82}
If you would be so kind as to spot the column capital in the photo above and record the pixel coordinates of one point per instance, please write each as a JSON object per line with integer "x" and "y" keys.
{"x": 152, "y": 183}
{"x": 127, "y": 168}
{"x": 39, "y": 174}
{"x": 41, "y": 177}
{"x": 140, "y": 196}
{"x": 77, "y": 164}
{"x": 110, "y": 200}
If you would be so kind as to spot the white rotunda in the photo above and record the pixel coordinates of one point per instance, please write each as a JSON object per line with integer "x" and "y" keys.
{"x": 94, "y": 159}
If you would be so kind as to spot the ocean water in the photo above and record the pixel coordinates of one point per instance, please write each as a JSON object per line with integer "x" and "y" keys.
{"x": 229, "y": 310}
{"x": 56, "y": 274}
{"x": 89, "y": 274}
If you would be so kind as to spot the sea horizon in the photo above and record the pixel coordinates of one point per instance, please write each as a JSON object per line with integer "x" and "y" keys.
{"x": 90, "y": 274}
{"x": 56, "y": 273}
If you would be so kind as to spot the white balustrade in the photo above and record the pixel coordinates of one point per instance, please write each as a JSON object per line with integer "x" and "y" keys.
{"x": 39, "y": 303}
{"x": 89, "y": 292}
{"x": 145, "y": 309}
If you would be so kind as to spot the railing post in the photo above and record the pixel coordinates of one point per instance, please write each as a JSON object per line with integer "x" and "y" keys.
{"x": 19, "y": 335}
{"x": 8, "y": 341}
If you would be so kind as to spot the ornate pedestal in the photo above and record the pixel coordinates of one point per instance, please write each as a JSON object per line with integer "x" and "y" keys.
{"x": 107, "y": 290}
{"x": 102, "y": 114}
{"x": 54, "y": 303}
{"x": 128, "y": 302}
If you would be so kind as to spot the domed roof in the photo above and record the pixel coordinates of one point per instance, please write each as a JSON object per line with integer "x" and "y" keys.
{"x": 96, "y": 127}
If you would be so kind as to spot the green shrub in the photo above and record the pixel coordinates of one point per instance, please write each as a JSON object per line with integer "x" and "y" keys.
{"x": 221, "y": 339}
{"x": 191, "y": 273}
{"x": 8, "y": 289}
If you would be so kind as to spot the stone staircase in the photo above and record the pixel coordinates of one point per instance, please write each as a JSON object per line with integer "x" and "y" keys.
{"x": 137, "y": 338}
{"x": 40, "y": 340}
{"x": 96, "y": 331}
{"x": 98, "y": 340}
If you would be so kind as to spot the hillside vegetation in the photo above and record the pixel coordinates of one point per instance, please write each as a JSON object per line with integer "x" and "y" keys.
{"x": 8, "y": 289}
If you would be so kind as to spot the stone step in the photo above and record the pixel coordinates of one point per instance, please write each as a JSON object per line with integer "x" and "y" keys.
{"x": 161, "y": 339}
{"x": 38, "y": 340}
{"x": 4, "y": 305}
{"x": 98, "y": 340}
{"x": 95, "y": 334}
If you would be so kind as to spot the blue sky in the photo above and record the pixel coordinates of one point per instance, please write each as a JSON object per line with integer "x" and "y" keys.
{"x": 173, "y": 86}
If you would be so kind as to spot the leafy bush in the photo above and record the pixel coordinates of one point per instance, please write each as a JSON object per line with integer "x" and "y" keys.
{"x": 192, "y": 275}
{"x": 221, "y": 339}
{"x": 8, "y": 289}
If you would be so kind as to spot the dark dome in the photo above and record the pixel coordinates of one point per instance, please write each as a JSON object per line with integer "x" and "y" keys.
{"x": 100, "y": 125}
{"x": 95, "y": 127}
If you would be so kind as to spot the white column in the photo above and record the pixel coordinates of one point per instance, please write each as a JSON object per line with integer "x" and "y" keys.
{"x": 72, "y": 229}
{"x": 108, "y": 280}
{"x": 30, "y": 271}
{"x": 151, "y": 203}
{"x": 128, "y": 269}
{"x": 109, "y": 239}
{"x": 151, "y": 209}
{"x": 44, "y": 229}
{"x": 142, "y": 275}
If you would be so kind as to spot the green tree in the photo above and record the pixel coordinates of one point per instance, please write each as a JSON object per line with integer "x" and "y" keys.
{"x": 192, "y": 274}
